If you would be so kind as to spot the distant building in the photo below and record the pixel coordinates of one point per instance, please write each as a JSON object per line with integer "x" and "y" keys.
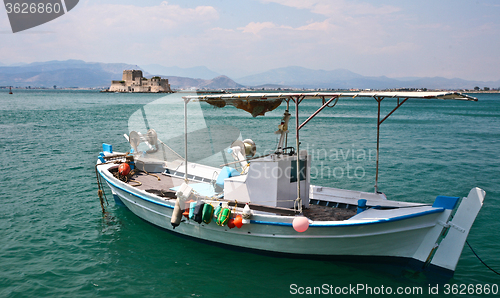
{"x": 133, "y": 81}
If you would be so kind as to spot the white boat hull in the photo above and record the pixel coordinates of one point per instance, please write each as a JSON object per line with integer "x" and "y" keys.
{"x": 407, "y": 234}
{"x": 279, "y": 183}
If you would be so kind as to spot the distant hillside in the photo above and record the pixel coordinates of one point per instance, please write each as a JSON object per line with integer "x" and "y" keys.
{"x": 272, "y": 86}
{"x": 69, "y": 73}
{"x": 77, "y": 73}
{"x": 220, "y": 82}
{"x": 198, "y": 72}
{"x": 297, "y": 76}
{"x": 300, "y": 77}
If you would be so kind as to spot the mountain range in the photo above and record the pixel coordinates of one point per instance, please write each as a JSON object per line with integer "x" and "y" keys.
{"x": 78, "y": 73}
{"x": 198, "y": 72}
{"x": 300, "y": 77}
{"x": 69, "y": 73}
{"x": 220, "y": 82}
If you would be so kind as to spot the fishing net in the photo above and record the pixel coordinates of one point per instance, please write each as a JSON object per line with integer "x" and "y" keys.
{"x": 256, "y": 107}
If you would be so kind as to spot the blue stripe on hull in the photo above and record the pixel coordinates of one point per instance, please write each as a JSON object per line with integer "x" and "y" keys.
{"x": 337, "y": 224}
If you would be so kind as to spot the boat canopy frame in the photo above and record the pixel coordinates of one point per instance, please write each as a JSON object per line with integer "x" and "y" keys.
{"x": 255, "y": 103}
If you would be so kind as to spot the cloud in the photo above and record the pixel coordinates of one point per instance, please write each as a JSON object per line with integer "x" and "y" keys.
{"x": 348, "y": 21}
{"x": 256, "y": 27}
{"x": 331, "y": 8}
{"x": 134, "y": 19}
{"x": 318, "y": 26}
{"x": 364, "y": 36}
{"x": 108, "y": 33}
{"x": 300, "y": 4}
{"x": 362, "y": 27}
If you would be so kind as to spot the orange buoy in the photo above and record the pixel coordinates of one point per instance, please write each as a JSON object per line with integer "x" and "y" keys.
{"x": 186, "y": 211}
{"x": 124, "y": 169}
{"x": 238, "y": 221}
{"x": 230, "y": 223}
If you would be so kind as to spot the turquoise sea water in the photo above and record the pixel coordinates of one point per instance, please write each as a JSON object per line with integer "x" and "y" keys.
{"x": 55, "y": 242}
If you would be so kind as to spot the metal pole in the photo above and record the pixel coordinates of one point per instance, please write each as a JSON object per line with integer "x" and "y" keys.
{"x": 288, "y": 109}
{"x": 299, "y": 201}
{"x": 185, "y": 141}
{"x": 378, "y": 144}
{"x": 379, "y": 122}
{"x": 319, "y": 110}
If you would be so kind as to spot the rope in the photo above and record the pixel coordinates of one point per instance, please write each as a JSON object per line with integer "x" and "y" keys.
{"x": 105, "y": 197}
{"x": 99, "y": 193}
{"x": 234, "y": 208}
{"x": 244, "y": 168}
{"x": 147, "y": 173}
{"x": 154, "y": 176}
{"x": 480, "y": 258}
{"x": 214, "y": 179}
{"x": 100, "y": 190}
{"x": 336, "y": 100}
{"x": 135, "y": 181}
{"x": 182, "y": 158}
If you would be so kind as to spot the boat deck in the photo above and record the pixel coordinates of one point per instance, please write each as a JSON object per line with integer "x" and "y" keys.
{"x": 150, "y": 183}
{"x": 324, "y": 213}
{"x": 162, "y": 187}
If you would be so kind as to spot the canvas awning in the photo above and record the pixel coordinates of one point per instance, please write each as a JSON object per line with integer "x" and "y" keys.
{"x": 258, "y": 104}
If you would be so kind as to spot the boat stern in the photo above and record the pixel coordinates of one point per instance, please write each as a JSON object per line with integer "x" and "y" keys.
{"x": 441, "y": 249}
{"x": 449, "y": 250}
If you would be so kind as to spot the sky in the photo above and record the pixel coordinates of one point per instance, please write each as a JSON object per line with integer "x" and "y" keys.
{"x": 398, "y": 38}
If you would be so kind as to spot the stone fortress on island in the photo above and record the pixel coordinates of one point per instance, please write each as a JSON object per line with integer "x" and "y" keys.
{"x": 133, "y": 81}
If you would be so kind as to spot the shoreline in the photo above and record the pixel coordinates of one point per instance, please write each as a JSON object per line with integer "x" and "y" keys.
{"x": 229, "y": 90}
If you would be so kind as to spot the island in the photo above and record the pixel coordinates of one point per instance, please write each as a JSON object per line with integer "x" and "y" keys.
{"x": 133, "y": 81}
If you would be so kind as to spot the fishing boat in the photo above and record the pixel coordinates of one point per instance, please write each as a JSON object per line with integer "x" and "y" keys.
{"x": 267, "y": 204}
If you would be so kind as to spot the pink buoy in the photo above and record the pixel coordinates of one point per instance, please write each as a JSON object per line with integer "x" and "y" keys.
{"x": 300, "y": 224}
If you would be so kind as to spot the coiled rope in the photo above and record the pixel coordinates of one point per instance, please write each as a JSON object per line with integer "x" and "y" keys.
{"x": 480, "y": 258}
